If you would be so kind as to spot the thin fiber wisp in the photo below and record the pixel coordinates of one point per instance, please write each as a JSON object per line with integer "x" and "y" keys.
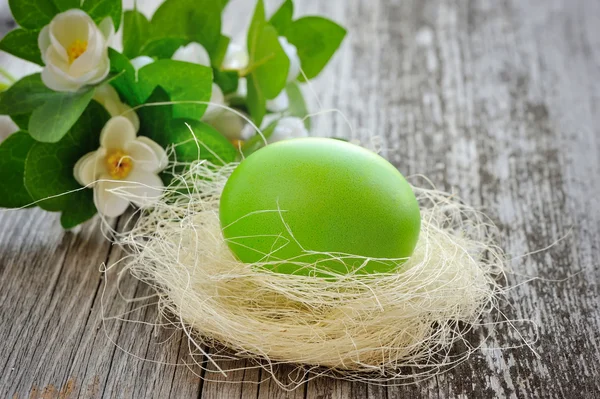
{"x": 359, "y": 327}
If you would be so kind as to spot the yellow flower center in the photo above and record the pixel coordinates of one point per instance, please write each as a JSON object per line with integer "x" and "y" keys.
{"x": 75, "y": 50}
{"x": 119, "y": 164}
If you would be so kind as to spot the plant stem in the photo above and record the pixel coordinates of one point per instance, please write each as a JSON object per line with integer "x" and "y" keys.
{"x": 250, "y": 68}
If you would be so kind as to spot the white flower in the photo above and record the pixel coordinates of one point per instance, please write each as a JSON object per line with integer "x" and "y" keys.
{"x": 242, "y": 88}
{"x": 229, "y": 124}
{"x": 279, "y": 103}
{"x": 216, "y": 99}
{"x": 141, "y": 61}
{"x": 7, "y": 127}
{"x": 194, "y": 53}
{"x": 108, "y": 97}
{"x": 292, "y": 52}
{"x": 289, "y": 127}
{"x": 124, "y": 169}
{"x": 74, "y": 50}
{"x": 226, "y": 122}
{"x": 236, "y": 57}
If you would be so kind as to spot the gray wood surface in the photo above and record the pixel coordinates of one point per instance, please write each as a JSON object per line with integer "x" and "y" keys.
{"x": 496, "y": 100}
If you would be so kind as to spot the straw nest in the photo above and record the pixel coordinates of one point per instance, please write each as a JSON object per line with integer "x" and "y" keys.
{"x": 396, "y": 326}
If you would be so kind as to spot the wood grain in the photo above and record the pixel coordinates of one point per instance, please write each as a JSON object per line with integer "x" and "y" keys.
{"x": 496, "y": 100}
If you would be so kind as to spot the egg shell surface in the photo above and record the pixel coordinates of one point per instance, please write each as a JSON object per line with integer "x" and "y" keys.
{"x": 298, "y": 201}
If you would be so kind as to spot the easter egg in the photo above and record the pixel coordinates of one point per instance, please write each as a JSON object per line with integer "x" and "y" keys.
{"x": 316, "y": 206}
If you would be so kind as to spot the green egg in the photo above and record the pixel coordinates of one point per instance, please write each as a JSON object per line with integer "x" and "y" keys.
{"x": 332, "y": 196}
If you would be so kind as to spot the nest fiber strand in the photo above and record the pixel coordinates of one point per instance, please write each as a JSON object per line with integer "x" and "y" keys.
{"x": 360, "y": 327}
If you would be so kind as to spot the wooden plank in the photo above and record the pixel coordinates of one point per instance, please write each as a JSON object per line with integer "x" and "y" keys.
{"x": 123, "y": 354}
{"x": 286, "y": 374}
{"x": 465, "y": 97}
{"x": 515, "y": 146}
{"x": 235, "y": 384}
{"x": 47, "y": 285}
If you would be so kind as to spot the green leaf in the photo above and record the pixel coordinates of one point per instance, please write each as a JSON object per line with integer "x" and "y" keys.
{"x": 50, "y": 122}
{"x": 227, "y": 80}
{"x": 26, "y": 95}
{"x": 204, "y": 143}
{"x": 23, "y": 44}
{"x": 257, "y": 103}
{"x": 13, "y": 152}
{"x": 256, "y": 25}
{"x": 183, "y": 81}
{"x": 195, "y": 20}
{"x": 268, "y": 62}
{"x": 64, "y": 5}
{"x": 100, "y": 9}
{"x": 136, "y": 29}
{"x": 81, "y": 208}
{"x": 158, "y": 124}
{"x": 271, "y": 64}
{"x": 282, "y": 19}
{"x": 49, "y": 168}
{"x": 33, "y": 14}
{"x": 297, "y": 106}
{"x": 154, "y": 120}
{"x": 21, "y": 120}
{"x": 316, "y": 39}
{"x": 126, "y": 82}
{"x": 219, "y": 54}
{"x": 163, "y": 48}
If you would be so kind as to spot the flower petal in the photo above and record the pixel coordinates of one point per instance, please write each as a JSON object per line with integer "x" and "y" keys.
{"x": 242, "y": 90}
{"x": 57, "y": 82}
{"x": 216, "y": 98}
{"x": 44, "y": 41}
{"x": 56, "y": 62}
{"x": 279, "y": 103}
{"x": 107, "y": 28}
{"x": 109, "y": 203}
{"x": 108, "y": 97}
{"x": 95, "y": 75}
{"x": 128, "y": 112}
{"x": 236, "y": 57}
{"x": 143, "y": 156}
{"x": 292, "y": 52}
{"x": 92, "y": 57}
{"x": 88, "y": 167}
{"x": 58, "y": 47}
{"x": 288, "y": 128}
{"x": 249, "y": 131}
{"x": 161, "y": 154}
{"x": 194, "y": 53}
{"x": 144, "y": 188}
{"x": 69, "y": 26}
{"x": 7, "y": 127}
{"x": 141, "y": 61}
{"x": 229, "y": 124}
{"x": 117, "y": 132}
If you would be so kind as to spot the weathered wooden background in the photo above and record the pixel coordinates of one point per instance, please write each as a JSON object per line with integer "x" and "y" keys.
{"x": 498, "y": 100}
